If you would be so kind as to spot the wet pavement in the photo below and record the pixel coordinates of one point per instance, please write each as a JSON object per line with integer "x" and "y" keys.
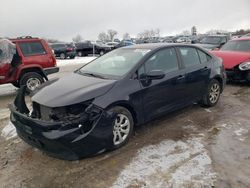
{"x": 194, "y": 147}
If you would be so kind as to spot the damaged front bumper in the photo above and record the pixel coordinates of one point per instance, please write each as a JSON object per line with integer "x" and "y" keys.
{"x": 66, "y": 140}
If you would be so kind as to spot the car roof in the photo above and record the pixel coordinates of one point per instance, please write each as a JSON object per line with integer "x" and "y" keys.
{"x": 152, "y": 46}
{"x": 243, "y": 38}
{"x": 25, "y": 39}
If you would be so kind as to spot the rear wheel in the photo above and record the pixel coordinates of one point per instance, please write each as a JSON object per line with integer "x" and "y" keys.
{"x": 101, "y": 53}
{"x": 212, "y": 95}
{"x": 62, "y": 56}
{"x": 80, "y": 54}
{"x": 32, "y": 80}
{"x": 122, "y": 126}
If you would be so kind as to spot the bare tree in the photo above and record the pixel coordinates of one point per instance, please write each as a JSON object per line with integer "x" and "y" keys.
{"x": 51, "y": 40}
{"x": 77, "y": 38}
{"x": 112, "y": 33}
{"x": 149, "y": 34}
{"x": 103, "y": 37}
{"x": 186, "y": 33}
{"x": 216, "y": 32}
{"x": 126, "y": 36}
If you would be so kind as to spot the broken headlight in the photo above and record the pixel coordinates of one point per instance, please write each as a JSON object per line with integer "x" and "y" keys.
{"x": 244, "y": 66}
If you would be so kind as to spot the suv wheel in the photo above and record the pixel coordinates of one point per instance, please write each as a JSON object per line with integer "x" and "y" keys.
{"x": 212, "y": 95}
{"x": 62, "y": 56}
{"x": 32, "y": 80}
{"x": 122, "y": 126}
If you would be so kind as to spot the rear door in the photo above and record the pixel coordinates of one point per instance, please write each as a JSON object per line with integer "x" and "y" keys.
{"x": 197, "y": 71}
{"x": 166, "y": 94}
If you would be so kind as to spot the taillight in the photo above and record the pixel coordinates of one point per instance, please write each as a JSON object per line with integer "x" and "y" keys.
{"x": 69, "y": 49}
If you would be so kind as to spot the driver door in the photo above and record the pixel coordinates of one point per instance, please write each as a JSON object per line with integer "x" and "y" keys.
{"x": 166, "y": 94}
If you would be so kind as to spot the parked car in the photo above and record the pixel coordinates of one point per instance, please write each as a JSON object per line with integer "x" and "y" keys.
{"x": 64, "y": 50}
{"x": 96, "y": 107}
{"x": 236, "y": 59}
{"x": 112, "y": 45}
{"x": 183, "y": 40}
{"x": 124, "y": 43}
{"x": 212, "y": 42}
{"x": 31, "y": 61}
{"x": 87, "y": 47}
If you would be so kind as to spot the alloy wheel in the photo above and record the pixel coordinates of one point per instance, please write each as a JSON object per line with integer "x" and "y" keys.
{"x": 33, "y": 83}
{"x": 214, "y": 93}
{"x": 121, "y": 129}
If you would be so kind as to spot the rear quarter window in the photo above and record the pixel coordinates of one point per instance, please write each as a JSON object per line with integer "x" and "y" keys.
{"x": 32, "y": 48}
{"x": 189, "y": 56}
{"x": 203, "y": 56}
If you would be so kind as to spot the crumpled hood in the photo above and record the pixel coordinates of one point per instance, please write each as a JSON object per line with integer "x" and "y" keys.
{"x": 232, "y": 58}
{"x": 72, "y": 89}
{"x": 208, "y": 46}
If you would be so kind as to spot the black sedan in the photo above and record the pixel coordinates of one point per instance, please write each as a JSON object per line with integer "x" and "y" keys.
{"x": 95, "y": 108}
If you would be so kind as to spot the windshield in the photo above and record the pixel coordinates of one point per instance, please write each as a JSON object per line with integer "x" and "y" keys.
{"x": 115, "y": 64}
{"x": 211, "y": 40}
{"x": 240, "y": 45}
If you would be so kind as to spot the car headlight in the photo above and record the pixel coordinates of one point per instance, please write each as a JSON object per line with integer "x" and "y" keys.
{"x": 245, "y": 66}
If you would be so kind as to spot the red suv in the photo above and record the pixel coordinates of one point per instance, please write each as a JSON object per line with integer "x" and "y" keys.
{"x": 30, "y": 65}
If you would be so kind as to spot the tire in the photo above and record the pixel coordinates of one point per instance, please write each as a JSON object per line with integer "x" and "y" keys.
{"x": 62, "y": 56}
{"x": 101, "y": 53}
{"x": 32, "y": 80}
{"x": 119, "y": 124}
{"x": 80, "y": 54}
{"x": 72, "y": 57}
{"x": 212, "y": 95}
{"x": 16, "y": 84}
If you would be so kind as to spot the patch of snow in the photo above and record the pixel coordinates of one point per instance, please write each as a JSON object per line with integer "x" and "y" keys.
{"x": 169, "y": 164}
{"x": 76, "y": 61}
{"x": 241, "y": 133}
{"x": 207, "y": 110}
{"x": 9, "y": 131}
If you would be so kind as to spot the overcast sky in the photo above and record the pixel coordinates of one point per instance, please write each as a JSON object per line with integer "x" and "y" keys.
{"x": 64, "y": 19}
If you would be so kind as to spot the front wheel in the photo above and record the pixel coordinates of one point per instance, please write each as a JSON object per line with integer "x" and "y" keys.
{"x": 122, "y": 126}
{"x": 212, "y": 95}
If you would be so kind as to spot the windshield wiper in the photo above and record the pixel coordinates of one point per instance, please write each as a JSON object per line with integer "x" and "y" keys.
{"x": 92, "y": 74}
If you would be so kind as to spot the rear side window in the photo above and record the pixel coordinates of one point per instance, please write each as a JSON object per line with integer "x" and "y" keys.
{"x": 189, "y": 56}
{"x": 165, "y": 60}
{"x": 203, "y": 56}
{"x": 32, "y": 48}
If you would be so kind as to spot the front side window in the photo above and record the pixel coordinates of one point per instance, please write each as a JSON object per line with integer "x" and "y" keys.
{"x": 116, "y": 63}
{"x": 32, "y": 48}
{"x": 189, "y": 56}
{"x": 164, "y": 60}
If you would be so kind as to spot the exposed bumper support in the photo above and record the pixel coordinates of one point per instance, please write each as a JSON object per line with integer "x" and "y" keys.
{"x": 68, "y": 142}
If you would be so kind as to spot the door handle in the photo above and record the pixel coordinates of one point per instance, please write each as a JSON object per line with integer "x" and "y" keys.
{"x": 205, "y": 68}
{"x": 180, "y": 77}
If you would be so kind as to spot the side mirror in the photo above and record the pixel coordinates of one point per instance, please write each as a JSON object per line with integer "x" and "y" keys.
{"x": 155, "y": 74}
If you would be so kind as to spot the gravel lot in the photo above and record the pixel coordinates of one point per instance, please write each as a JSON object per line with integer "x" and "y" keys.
{"x": 194, "y": 147}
